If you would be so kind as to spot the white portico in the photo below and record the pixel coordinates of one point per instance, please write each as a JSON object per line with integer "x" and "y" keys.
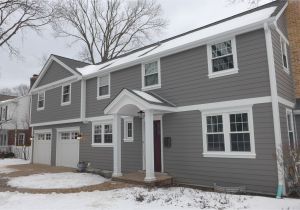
{"x": 130, "y": 103}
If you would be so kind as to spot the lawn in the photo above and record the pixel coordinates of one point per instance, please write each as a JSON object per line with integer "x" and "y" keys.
{"x": 128, "y": 198}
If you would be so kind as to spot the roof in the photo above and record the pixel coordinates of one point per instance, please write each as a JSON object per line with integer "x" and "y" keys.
{"x": 243, "y": 19}
{"x": 6, "y": 97}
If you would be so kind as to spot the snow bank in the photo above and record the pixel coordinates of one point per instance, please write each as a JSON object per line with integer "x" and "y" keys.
{"x": 56, "y": 180}
{"x": 10, "y": 161}
{"x": 131, "y": 199}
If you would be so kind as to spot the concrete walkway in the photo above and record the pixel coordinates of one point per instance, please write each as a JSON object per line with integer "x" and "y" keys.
{"x": 29, "y": 169}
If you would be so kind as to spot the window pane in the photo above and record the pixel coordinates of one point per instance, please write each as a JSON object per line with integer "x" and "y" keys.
{"x": 66, "y": 89}
{"x": 97, "y": 129}
{"x": 151, "y": 80}
{"x": 48, "y": 136}
{"x": 215, "y": 142}
{"x": 108, "y": 128}
{"x": 239, "y": 122}
{"x": 223, "y": 63}
{"x": 108, "y": 138}
{"x": 41, "y": 103}
{"x": 66, "y": 98}
{"x": 103, "y": 81}
{"x": 97, "y": 138}
{"x": 240, "y": 142}
{"x": 214, "y": 124}
{"x": 291, "y": 138}
{"x": 65, "y": 136}
{"x": 151, "y": 68}
{"x": 129, "y": 129}
{"x": 103, "y": 90}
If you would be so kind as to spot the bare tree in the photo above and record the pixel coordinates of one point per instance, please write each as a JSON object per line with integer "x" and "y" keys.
{"x": 108, "y": 28}
{"x": 18, "y": 15}
{"x": 20, "y": 90}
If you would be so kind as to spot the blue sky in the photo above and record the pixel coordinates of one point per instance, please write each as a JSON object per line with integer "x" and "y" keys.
{"x": 182, "y": 15}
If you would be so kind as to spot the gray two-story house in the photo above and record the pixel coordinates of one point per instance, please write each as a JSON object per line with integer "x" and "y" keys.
{"x": 208, "y": 106}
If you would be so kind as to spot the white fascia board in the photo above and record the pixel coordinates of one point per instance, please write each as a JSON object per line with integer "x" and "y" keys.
{"x": 42, "y": 131}
{"x": 286, "y": 102}
{"x": 56, "y": 122}
{"x": 188, "y": 46}
{"x": 44, "y": 70}
{"x": 68, "y": 129}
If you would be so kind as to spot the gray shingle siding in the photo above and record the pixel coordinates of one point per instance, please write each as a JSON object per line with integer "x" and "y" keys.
{"x": 185, "y": 77}
{"x": 285, "y": 83}
{"x": 55, "y": 72}
{"x": 53, "y": 110}
{"x": 282, "y": 24}
{"x": 185, "y": 162}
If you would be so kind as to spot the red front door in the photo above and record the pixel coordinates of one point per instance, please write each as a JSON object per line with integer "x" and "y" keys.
{"x": 157, "y": 145}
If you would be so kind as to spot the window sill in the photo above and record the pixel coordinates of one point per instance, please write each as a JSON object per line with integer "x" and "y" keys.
{"x": 40, "y": 109}
{"x": 65, "y": 104}
{"x": 229, "y": 155}
{"x": 286, "y": 70}
{"x": 128, "y": 140}
{"x": 102, "y": 145}
{"x": 103, "y": 97}
{"x": 152, "y": 87}
{"x": 223, "y": 73}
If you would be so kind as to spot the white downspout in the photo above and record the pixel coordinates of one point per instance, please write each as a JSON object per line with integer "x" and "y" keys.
{"x": 275, "y": 110}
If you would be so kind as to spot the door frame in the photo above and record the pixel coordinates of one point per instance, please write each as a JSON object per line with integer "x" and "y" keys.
{"x": 155, "y": 118}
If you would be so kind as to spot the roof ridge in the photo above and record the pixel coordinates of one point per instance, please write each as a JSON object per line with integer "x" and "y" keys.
{"x": 71, "y": 59}
{"x": 273, "y": 3}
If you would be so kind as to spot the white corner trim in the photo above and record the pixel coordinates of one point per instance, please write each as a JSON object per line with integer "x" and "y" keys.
{"x": 286, "y": 102}
{"x": 152, "y": 87}
{"x": 275, "y": 106}
{"x": 83, "y": 100}
{"x": 68, "y": 129}
{"x": 234, "y": 70}
{"x": 42, "y": 131}
{"x": 56, "y": 122}
{"x": 99, "y": 118}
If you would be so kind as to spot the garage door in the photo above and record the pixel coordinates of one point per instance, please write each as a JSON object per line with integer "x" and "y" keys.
{"x": 67, "y": 148}
{"x": 42, "y": 147}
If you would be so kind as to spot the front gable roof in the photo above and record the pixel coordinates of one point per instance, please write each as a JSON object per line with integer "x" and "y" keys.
{"x": 57, "y": 69}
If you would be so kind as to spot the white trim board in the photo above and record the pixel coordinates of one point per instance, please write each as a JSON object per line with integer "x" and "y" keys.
{"x": 286, "y": 102}
{"x": 42, "y": 131}
{"x": 56, "y": 122}
{"x": 68, "y": 129}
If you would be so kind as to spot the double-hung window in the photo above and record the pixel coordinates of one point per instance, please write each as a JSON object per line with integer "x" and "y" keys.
{"x": 3, "y": 139}
{"x": 151, "y": 75}
{"x": 222, "y": 58}
{"x": 41, "y": 101}
{"x": 228, "y": 133}
{"x": 290, "y": 127}
{"x": 128, "y": 129}
{"x": 21, "y": 139}
{"x": 66, "y": 95}
{"x": 102, "y": 134}
{"x": 3, "y": 113}
{"x": 284, "y": 53}
{"x": 103, "y": 87}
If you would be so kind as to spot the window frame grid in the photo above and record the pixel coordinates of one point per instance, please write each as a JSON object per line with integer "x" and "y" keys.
{"x": 38, "y": 100}
{"x": 292, "y": 122}
{"x": 99, "y": 85}
{"x": 214, "y": 133}
{"x": 151, "y": 87}
{"x": 63, "y": 94}
{"x": 125, "y": 129}
{"x": 226, "y": 129}
{"x": 284, "y": 51}
{"x": 102, "y": 144}
{"x": 234, "y": 70}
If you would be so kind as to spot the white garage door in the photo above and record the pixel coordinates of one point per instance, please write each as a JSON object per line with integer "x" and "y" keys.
{"x": 42, "y": 147}
{"x": 67, "y": 148}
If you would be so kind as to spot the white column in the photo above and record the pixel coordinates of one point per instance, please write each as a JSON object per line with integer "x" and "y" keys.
{"x": 117, "y": 145}
{"x": 149, "y": 146}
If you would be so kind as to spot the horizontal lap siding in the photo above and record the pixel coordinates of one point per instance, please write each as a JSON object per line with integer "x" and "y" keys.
{"x": 185, "y": 162}
{"x": 55, "y": 72}
{"x": 53, "y": 110}
{"x": 99, "y": 157}
{"x": 285, "y": 83}
{"x": 185, "y": 75}
{"x": 132, "y": 152}
{"x": 185, "y": 79}
{"x": 282, "y": 24}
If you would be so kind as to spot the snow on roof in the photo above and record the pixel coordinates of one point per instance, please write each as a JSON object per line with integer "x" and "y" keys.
{"x": 203, "y": 34}
{"x": 147, "y": 96}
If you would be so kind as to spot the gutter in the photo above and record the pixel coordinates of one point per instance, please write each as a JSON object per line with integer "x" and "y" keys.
{"x": 275, "y": 108}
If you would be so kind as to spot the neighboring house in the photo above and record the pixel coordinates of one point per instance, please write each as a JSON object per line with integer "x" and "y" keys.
{"x": 14, "y": 124}
{"x": 207, "y": 106}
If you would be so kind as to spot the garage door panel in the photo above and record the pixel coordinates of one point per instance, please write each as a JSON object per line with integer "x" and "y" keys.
{"x": 42, "y": 148}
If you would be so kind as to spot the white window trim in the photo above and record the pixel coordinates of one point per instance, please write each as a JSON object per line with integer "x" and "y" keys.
{"x": 43, "y": 131}
{"x": 234, "y": 70}
{"x": 62, "y": 95}
{"x": 38, "y": 99}
{"x": 98, "y": 85}
{"x": 290, "y": 112}
{"x": 21, "y": 134}
{"x": 102, "y": 123}
{"x": 286, "y": 69}
{"x": 126, "y": 121}
{"x": 152, "y": 87}
{"x": 226, "y": 130}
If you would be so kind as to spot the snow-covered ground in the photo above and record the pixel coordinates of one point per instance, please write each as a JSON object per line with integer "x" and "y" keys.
{"x": 10, "y": 161}
{"x": 56, "y": 180}
{"x": 140, "y": 198}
